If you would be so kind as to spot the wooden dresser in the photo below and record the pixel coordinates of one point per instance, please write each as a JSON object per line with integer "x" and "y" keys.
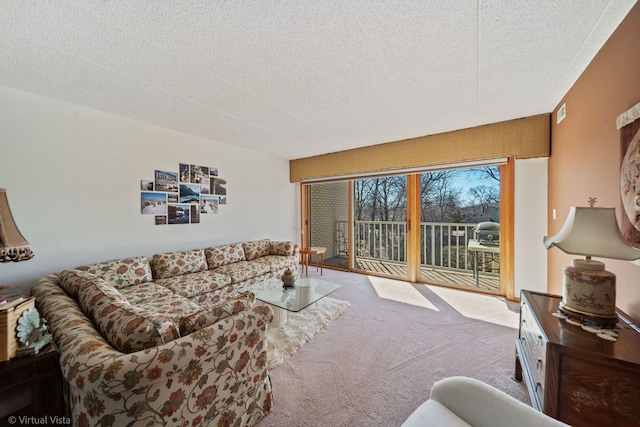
{"x": 574, "y": 375}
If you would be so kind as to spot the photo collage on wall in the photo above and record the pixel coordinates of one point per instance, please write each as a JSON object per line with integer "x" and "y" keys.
{"x": 182, "y": 197}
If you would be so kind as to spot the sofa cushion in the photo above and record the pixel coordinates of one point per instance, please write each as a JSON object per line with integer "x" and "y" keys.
{"x": 222, "y": 255}
{"x": 172, "y": 306}
{"x": 93, "y": 291}
{"x": 210, "y": 315}
{"x": 279, "y": 263}
{"x": 191, "y": 285}
{"x": 243, "y": 270}
{"x": 71, "y": 282}
{"x": 256, "y": 249}
{"x": 144, "y": 292}
{"x": 171, "y": 264}
{"x": 126, "y": 327}
{"x": 282, "y": 248}
{"x": 216, "y": 297}
{"x": 120, "y": 273}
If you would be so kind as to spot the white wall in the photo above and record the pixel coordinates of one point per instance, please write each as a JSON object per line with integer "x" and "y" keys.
{"x": 530, "y": 255}
{"x": 73, "y": 176}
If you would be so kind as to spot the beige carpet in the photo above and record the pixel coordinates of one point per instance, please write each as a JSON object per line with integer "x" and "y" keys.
{"x": 376, "y": 364}
{"x": 285, "y": 339}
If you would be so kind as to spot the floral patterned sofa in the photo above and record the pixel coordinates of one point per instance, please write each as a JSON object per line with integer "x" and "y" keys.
{"x": 176, "y": 340}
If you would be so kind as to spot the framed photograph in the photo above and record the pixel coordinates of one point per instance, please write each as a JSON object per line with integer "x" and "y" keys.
{"x": 153, "y": 203}
{"x": 161, "y": 219}
{"x": 205, "y": 186}
{"x": 185, "y": 175}
{"x": 172, "y": 198}
{"x": 146, "y": 185}
{"x": 199, "y": 174}
{"x": 213, "y": 171}
{"x": 222, "y": 200}
{"x": 189, "y": 193}
{"x": 178, "y": 213}
{"x": 166, "y": 181}
{"x": 209, "y": 204}
{"x": 218, "y": 186}
{"x": 195, "y": 214}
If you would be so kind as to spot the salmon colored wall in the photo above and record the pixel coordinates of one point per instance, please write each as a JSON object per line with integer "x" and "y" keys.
{"x": 585, "y": 150}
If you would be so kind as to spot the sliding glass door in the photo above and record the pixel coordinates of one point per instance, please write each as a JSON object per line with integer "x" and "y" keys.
{"x": 460, "y": 227}
{"x": 441, "y": 226}
{"x": 380, "y": 225}
{"x": 328, "y": 221}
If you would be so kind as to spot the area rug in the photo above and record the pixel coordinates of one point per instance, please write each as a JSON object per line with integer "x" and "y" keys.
{"x": 284, "y": 340}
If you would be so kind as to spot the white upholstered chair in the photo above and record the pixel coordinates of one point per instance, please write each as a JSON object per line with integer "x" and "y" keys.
{"x": 463, "y": 402}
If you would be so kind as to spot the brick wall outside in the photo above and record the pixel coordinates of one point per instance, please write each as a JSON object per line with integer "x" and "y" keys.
{"x": 329, "y": 204}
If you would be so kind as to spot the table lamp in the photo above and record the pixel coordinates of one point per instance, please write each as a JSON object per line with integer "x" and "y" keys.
{"x": 13, "y": 246}
{"x": 588, "y": 290}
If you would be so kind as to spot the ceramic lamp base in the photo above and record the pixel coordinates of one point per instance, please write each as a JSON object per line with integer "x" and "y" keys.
{"x": 589, "y": 293}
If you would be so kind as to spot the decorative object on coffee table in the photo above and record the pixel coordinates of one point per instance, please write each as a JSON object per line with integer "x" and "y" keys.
{"x": 288, "y": 279}
{"x": 589, "y": 291}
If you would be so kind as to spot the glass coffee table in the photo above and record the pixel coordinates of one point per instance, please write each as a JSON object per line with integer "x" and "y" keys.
{"x": 305, "y": 292}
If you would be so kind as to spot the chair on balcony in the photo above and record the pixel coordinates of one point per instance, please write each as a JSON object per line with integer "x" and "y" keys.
{"x": 342, "y": 243}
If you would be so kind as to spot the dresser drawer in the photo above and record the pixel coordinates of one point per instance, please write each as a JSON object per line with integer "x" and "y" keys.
{"x": 534, "y": 346}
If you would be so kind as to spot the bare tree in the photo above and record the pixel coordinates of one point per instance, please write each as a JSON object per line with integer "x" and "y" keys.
{"x": 484, "y": 173}
{"x": 485, "y": 198}
{"x": 440, "y": 198}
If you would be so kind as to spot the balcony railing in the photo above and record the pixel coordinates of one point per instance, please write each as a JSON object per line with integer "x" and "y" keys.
{"x": 443, "y": 245}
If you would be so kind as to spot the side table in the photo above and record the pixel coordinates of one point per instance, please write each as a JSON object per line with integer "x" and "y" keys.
{"x": 32, "y": 386}
{"x": 307, "y": 252}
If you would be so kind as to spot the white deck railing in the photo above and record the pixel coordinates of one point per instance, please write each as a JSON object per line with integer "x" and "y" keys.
{"x": 442, "y": 245}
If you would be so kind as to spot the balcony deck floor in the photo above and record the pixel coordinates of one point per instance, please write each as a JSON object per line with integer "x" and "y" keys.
{"x": 427, "y": 274}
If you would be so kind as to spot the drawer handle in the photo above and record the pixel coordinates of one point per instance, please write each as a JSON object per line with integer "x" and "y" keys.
{"x": 539, "y": 341}
{"x": 538, "y": 386}
{"x": 538, "y": 363}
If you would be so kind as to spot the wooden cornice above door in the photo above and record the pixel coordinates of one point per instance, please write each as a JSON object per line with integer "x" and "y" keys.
{"x": 524, "y": 138}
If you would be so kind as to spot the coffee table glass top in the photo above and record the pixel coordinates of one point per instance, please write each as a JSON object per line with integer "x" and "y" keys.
{"x": 305, "y": 292}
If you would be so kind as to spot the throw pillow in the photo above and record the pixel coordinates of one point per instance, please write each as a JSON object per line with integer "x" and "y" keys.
{"x": 282, "y": 248}
{"x": 223, "y": 255}
{"x": 177, "y": 263}
{"x": 121, "y": 273}
{"x": 256, "y": 249}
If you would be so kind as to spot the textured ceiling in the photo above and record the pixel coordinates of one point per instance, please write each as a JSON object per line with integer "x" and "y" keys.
{"x": 304, "y": 77}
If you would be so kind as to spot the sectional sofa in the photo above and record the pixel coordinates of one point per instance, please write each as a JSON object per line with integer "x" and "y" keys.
{"x": 175, "y": 340}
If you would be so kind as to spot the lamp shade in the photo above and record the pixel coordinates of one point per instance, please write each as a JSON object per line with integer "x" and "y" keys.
{"x": 13, "y": 246}
{"x": 592, "y": 232}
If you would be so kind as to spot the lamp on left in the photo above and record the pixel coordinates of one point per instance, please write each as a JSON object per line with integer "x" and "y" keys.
{"x": 13, "y": 245}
